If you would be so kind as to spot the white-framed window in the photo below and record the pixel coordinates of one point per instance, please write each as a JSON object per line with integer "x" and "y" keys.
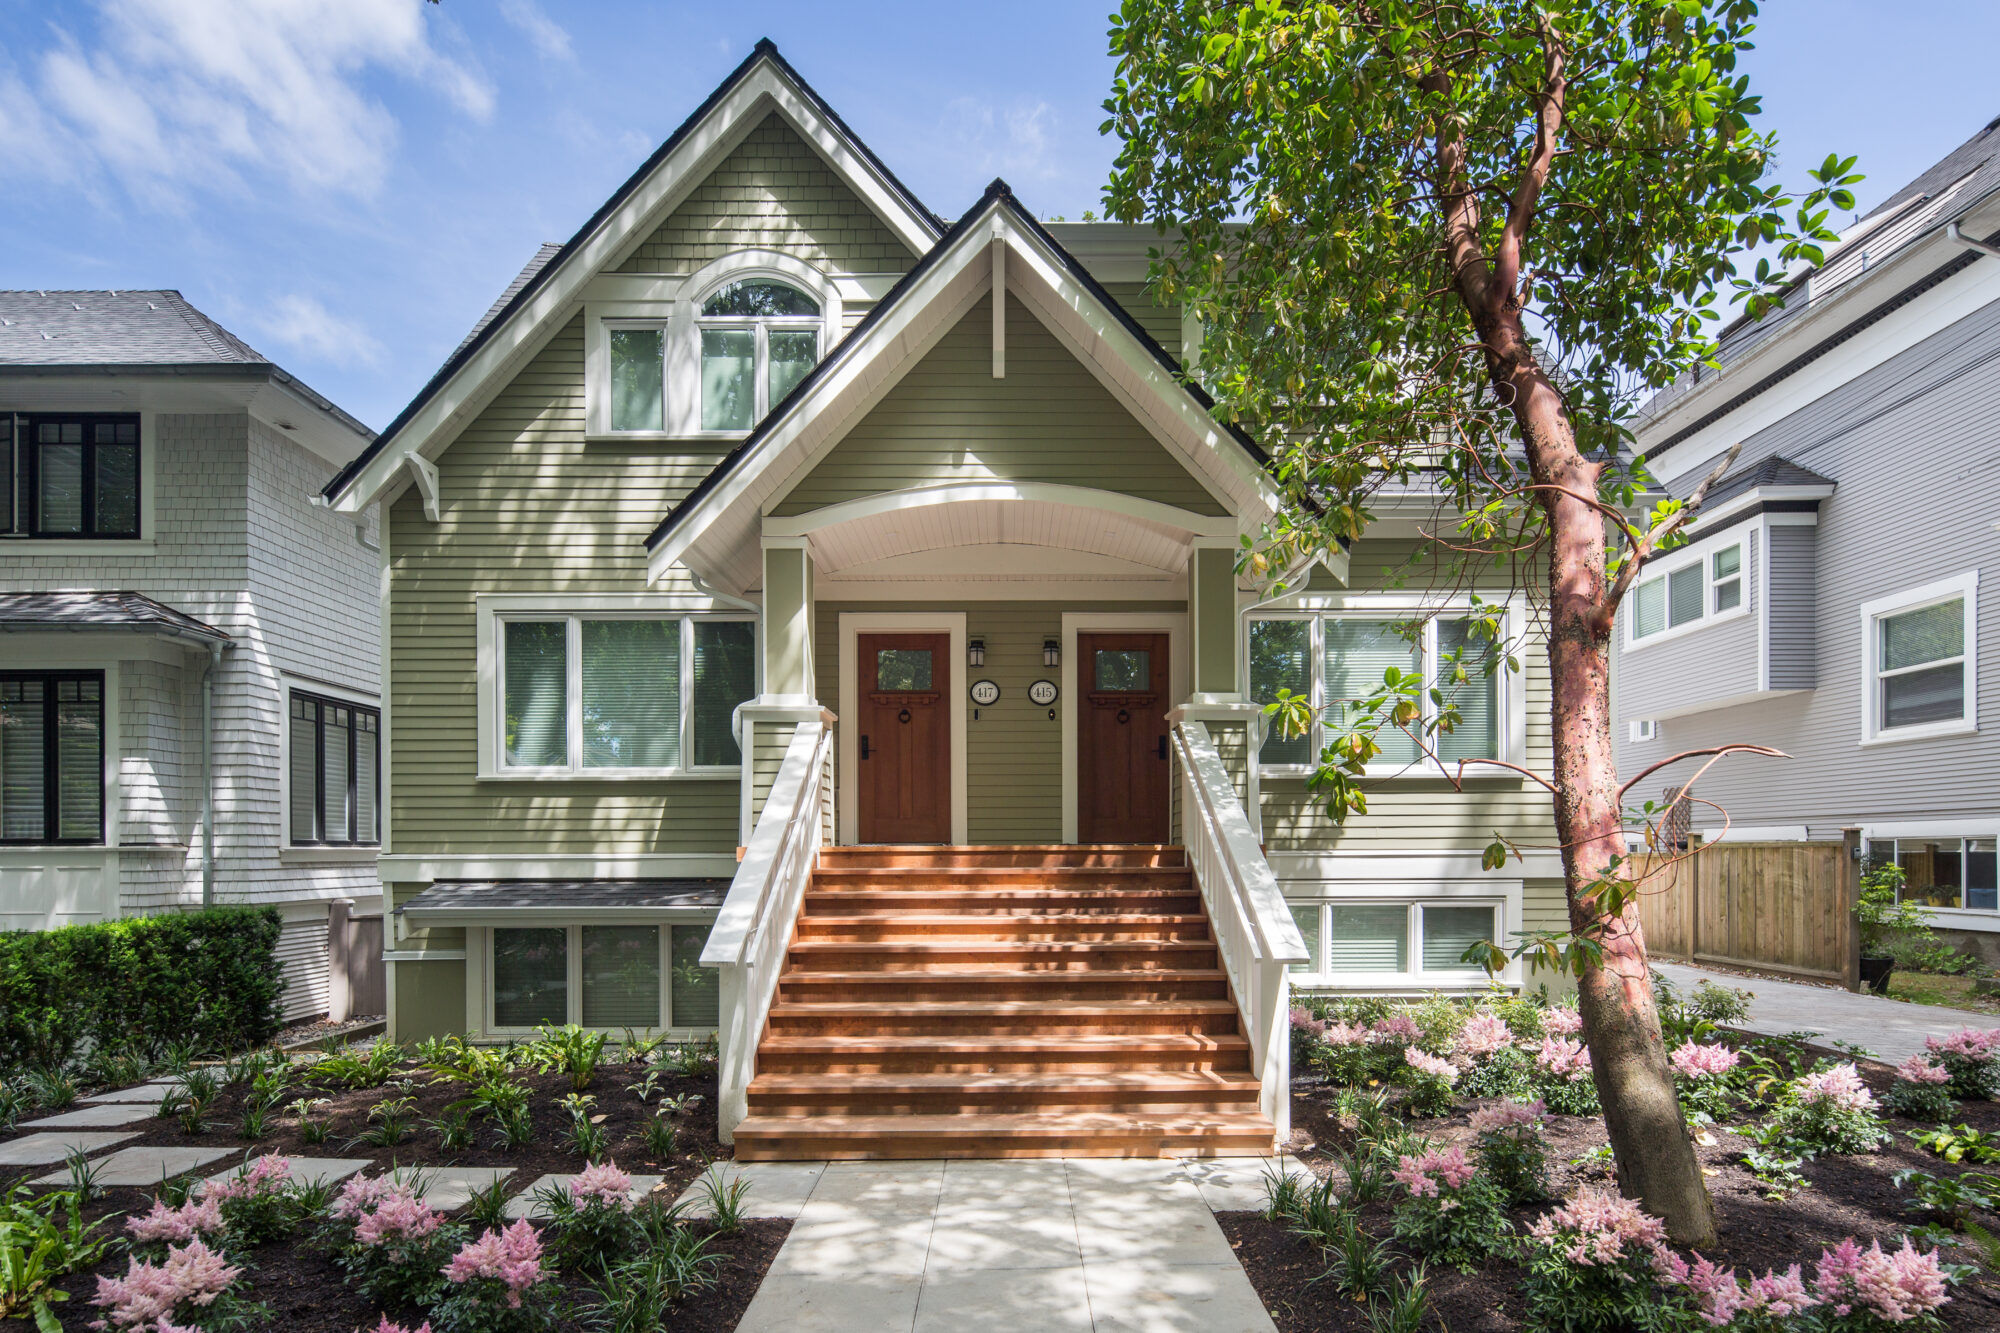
{"x": 1336, "y": 656}
{"x": 637, "y": 349}
{"x": 604, "y": 693}
{"x": 1395, "y": 942}
{"x": 1948, "y": 872}
{"x": 759, "y": 336}
{"x": 609, "y": 976}
{"x": 333, "y": 771}
{"x": 1920, "y": 661}
{"x": 1687, "y": 590}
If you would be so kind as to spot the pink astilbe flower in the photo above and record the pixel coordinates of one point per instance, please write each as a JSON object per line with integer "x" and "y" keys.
{"x": 1599, "y": 1228}
{"x": 1966, "y": 1044}
{"x": 1434, "y": 1065}
{"x": 513, "y": 1256}
{"x": 1423, "y": 1175}
{"x": 1305, "y": 1020}
{"x": 399, "y": 1217}
{"x": 146, "y": 1297}
{"x": 1395, "y": 1030}
{"x": 1482, "y": 1035}
{"x": 1898, "y": 1287}
{"x": 1563, "y": 1059}
{"x": 175, "y": 1225}
{"x": 1698, "y": 1061}
{"x": 1345, "y": 1034}
{"x": 386, "y": 1327}
{"x": 1781, "y": 1295}
{"x": 269, "y": 1174}
{"x": 1716, "y": 1290}
{"x": 1564, "y": 1022}
{"x": 1918, "y": 1069}
{"x": 604, "y": 1184}
{"x": 1839, "y": 1086}
{"x": 360, "y": 1195}
{"x": 1507, "y": 1117}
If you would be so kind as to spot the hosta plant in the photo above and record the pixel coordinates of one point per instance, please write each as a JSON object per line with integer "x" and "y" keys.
{"x": 42, "y": 1240}
{"x": 1450, "y": 1213}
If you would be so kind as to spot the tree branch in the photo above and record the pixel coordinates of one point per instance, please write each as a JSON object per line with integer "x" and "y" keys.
{"x": 1535, "y": 172}
{"x": 1643, "y": 549}
{"x": 1717, "y": 750}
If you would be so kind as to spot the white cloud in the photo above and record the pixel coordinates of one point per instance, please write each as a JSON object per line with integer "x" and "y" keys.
{"x": 306, "y": 326}
{"x": 548, "y": 36}
{"x": 179, "y": 94}
{"x": 1010, "y": 141}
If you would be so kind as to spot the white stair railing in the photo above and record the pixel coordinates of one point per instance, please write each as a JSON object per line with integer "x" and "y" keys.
{"x": 1254, "y": 931}
{"x": 754, "y": 929}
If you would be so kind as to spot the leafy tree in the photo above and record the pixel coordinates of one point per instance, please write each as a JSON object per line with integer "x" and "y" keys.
{"x": 1450, "y": 245}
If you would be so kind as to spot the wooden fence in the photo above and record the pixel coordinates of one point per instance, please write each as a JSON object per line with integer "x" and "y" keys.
{"x": 1781, "y": 907}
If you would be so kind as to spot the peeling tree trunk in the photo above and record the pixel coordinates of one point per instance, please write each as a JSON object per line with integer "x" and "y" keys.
{"x": 1621, "y": 1022}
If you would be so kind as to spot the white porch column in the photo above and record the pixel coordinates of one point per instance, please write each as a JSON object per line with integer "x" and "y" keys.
{"x": 788, "y": 622}
{"x": 1212, "y": 618}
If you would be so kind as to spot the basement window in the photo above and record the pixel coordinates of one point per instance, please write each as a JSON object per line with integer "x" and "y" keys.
{"x": 1393, "y": 943}
{"x": 611, "y": 976}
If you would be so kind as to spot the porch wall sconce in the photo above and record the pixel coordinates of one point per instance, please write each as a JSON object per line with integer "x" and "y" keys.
{"x": 1051, "y": 652}
{"x": 975, "y": 653}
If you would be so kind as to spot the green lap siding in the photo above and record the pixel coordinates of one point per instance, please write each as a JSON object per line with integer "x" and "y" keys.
{"x": 528, "y": 508}
{"x": 1163, "y": 322}
{"x": 774, "y": 192}
{"x": 948, "y": 420}
{"x": 430, "y": 1000}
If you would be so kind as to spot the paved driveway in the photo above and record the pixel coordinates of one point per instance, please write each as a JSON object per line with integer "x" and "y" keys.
{"x": 1893, "y": 1029}
{"x": 1087, "y": 1245}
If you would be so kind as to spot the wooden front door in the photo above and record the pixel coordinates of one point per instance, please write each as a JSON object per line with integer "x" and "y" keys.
{"x": 1121, "y": 761}
{"x": 905, "y": 688}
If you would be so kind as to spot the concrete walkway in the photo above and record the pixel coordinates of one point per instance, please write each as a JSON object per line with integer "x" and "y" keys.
{"x": 1893, "y": 1029}
{"x": 1051, "y": 1244}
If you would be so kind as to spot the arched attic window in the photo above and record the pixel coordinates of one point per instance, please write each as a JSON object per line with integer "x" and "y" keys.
{"x": 759, "y": 338}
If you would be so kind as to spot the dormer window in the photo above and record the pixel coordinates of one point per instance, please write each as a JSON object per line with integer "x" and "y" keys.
{"x": 759, "y": 338}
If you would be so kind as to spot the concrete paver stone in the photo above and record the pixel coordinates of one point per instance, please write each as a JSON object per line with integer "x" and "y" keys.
{"x": 304, "y": 1170}
{"x": 528, "y": 1203}
{"x": 114, "y": 1115}
{"x": 777, "y": 1189}
{"x": 448, "y": 1187}
{"x": 56, "y": 1146}
{"x": 147, "y": 1093}
{"x": 146, "y": 1166}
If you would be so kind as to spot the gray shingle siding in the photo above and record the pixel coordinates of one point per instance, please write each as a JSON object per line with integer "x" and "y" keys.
{"x": 1793, "y": 644}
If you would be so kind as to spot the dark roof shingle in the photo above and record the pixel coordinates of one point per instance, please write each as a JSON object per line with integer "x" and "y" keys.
{"x": 134, "y": 328}
{"x": 100, "y": 611}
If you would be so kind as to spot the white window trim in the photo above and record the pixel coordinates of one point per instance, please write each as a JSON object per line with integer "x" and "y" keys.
{"x": 1505, "y": 898}
{"x": 1965, "y": 585}
{"x": 1510, "y": 702}
{"x": 675, "y": 307}
{"x": 1695, "y": 553}
{"x": 495, "y": 611}
{"x": 321, "y": 851}
{"x": 479, "y": 971}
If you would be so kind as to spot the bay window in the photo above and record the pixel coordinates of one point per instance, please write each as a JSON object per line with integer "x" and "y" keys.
{"x": 622, "y": 693}
{"x": 51, "y": 757}
{"x": 1405, "y": 942}
{"x": 333, "y": 772}
{"x": 1686, "y": 593}
{"x": 1337, "y": 659}
{"x": 610, "y": 976}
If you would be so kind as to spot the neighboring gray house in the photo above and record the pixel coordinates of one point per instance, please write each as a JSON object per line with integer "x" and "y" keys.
{"x": 1830, "y": 603}
{"x": 162, "y": 561}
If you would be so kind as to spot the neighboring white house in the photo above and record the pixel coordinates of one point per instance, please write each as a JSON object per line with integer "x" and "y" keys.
{"x": 189, "y": 646}
{"x": 1830, "y": 603}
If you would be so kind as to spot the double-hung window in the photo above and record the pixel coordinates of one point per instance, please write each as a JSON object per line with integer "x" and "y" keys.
{"x": 73, "y": 475}
{"x": 334, "y": 773}
{"x": 1687, "y": 593}
{"x": 51, "y": 756}
{"x": 1337, "y": 659}
{"x": 1919, "y": 657}
{"x": 610, "y": 693}
{"x": 1414, "y": 942}
{"x": 759, "y": 338}
{"x": 602, "y": 976}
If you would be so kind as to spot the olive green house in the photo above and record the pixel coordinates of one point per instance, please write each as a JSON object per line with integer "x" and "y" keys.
{"x": 779, "y": 567}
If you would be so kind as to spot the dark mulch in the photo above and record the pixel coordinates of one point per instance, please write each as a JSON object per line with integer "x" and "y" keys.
{"x": 306, "y": 1292}
{"x": 1849, "y": 1196}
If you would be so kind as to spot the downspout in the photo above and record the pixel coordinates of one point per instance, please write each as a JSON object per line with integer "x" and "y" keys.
{"x": 1978, "y": 247}
{"x": 208, "y": 775}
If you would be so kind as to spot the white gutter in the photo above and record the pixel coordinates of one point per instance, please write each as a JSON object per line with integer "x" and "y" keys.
{"x": 1951, "y": 230}
{"x": 208, "y": 775}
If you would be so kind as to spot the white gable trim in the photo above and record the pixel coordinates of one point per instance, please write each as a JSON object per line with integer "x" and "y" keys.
{"x": 763, "y": 89}
{"x": 726, "y": 518}
{"x": 1081, "y": 497}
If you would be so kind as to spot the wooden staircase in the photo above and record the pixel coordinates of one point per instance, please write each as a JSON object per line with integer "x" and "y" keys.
{"x": 1002, "y": 1002}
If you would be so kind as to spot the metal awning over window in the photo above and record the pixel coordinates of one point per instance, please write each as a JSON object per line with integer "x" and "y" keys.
{"x": 483, "y": 902}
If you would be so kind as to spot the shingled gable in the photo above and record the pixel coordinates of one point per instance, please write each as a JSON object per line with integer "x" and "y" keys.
{"x": 763, "y": 83}
{"x": 721, "y": 512}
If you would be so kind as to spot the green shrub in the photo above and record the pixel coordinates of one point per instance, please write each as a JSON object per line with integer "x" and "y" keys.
{"x": 208, "y": 979}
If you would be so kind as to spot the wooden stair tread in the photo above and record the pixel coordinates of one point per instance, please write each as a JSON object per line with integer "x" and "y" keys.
{"x": 1132, "y": 976}
{"x": 1008, "y": 1044}
{"x": 1150, "y": 1080}
{"x": 1028, "y": 948}
{"x": 938, "y": 918}
{"x": 1006, "y": 1125}
{"x": 894, "y": 874}
{"x": 996, "y": 1008}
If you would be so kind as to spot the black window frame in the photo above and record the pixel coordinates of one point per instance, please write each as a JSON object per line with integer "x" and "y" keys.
{"x": 321, "y": 703}
{"x": 23, "y": 511}
{"x": 51, "y": 765}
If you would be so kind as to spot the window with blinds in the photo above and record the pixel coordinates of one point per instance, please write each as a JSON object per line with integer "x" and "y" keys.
{"x": 333, "y": 771}
{"x": 69, "y": 475}
{"x": 621, "y": 977}
{"x": 696, "y": 991}
{"x": 1337, "y": 661}
{"x": 51, "y": 757}
{"x": 1418, "y": 939}
{"x": 623, "y": 693}
{"x": 609, "y": 977}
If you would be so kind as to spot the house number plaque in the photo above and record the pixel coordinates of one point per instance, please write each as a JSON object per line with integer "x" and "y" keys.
{"x": 1042, "y": 693}
{"x": 985, "y": 693}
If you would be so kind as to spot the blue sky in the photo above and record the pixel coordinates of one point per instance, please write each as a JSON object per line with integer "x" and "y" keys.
{"x": 347, "y": 184}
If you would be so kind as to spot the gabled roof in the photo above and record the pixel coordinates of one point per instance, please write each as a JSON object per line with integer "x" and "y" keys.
{"x": 532, "y": 269}
{"x": 850, "y": 357}
{"x": 77, "y": 611}
{"x": 546, "y": 269}
{"x": 1769, "y": 472}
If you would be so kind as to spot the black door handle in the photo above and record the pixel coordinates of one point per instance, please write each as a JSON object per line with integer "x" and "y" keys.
{"x": 864, "y": 745}
{"x": 1163, "y": 747}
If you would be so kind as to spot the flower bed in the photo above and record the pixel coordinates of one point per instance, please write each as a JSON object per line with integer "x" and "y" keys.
{"x": 264, "y": 1251}
{"x": 1832, "y": 1215}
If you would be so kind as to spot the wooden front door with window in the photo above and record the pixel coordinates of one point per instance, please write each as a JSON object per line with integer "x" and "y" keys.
{"x": 1121, "y": 762}
{"x": 905, "y": 756}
